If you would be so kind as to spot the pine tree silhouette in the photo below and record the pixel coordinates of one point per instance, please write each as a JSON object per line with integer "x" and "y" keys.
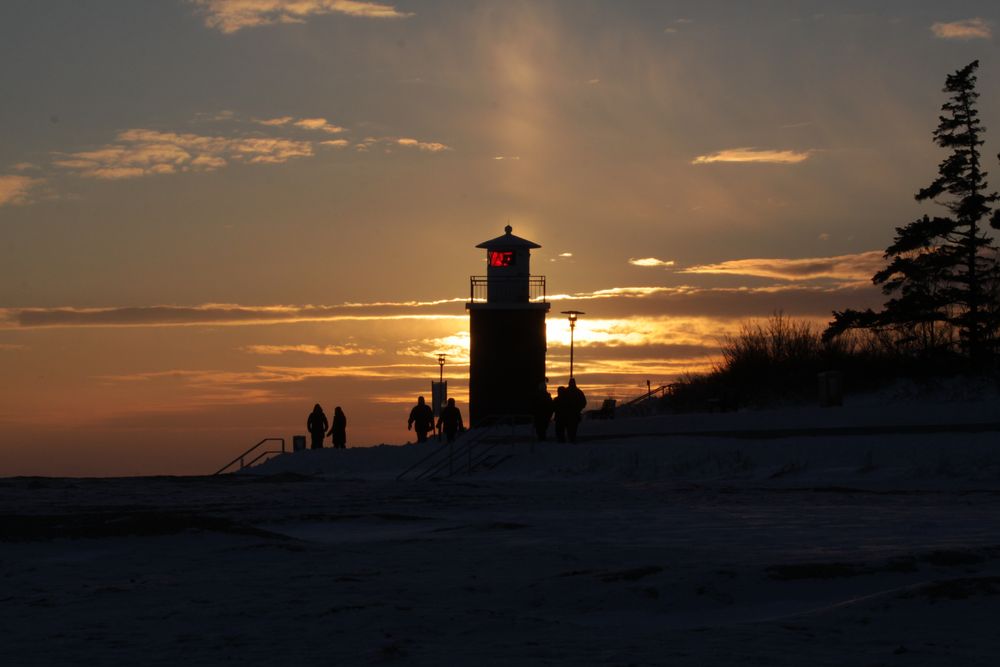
{"x": 939, "y": 267}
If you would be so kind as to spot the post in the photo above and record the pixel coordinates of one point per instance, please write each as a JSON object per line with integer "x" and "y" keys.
{"x": 573, "y": 315}
{"x": 439, "y": 405}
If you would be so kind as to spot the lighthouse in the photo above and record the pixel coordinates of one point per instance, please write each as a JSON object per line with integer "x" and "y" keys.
{"x": 507, "y": 310}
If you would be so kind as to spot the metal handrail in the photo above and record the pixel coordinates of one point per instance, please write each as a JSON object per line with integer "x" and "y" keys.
{"x": 240, "y": 459}
{"x": 463, "y": 448}
{"x": 531, "y": 288}
{"x": 649, "y": 394}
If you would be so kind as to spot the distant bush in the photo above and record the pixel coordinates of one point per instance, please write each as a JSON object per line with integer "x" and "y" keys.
{"x": 779, "y": 360}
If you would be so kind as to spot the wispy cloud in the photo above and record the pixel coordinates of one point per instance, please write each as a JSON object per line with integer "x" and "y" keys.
{"x": 672, "y": 29}
{"x": 455, "y": 347}
{"x": 318, "y": 124}
{"x": 976, "y": 28}
{"x": 429, "y": 146}
{"x": 316, "y": 350}
{"x": 214, "y": 116}
{"x": 274, "y": 122}
{"x": 142, "y": 152}
{"x": 857, "y": 267}
{"x": 853, "y": 270}
{"x": 215, "y": 314}
{"x": 16, "y": 189}
{"x": 388, "y": 143}
{"x": 650, "y": 261}
{"x": 229, "y": 16}
{"x": 313, "y": 124}
{"x": 754, "y": 155}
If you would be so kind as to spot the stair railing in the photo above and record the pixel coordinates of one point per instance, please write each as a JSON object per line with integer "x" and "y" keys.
{"x": 241, "y": 459}
{"x": 470, "y": 450}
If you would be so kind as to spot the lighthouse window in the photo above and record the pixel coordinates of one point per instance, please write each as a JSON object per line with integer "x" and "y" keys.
{"x": 501, "y": 258}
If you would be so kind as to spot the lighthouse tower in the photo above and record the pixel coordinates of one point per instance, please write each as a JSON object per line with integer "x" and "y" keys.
{"x": 507, "y": 310}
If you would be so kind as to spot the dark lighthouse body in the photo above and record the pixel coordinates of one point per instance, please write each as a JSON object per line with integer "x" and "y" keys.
{"x": 507, "y": 310}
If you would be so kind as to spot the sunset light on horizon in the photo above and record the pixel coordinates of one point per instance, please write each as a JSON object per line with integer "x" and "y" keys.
{"x": 216, "y": 213}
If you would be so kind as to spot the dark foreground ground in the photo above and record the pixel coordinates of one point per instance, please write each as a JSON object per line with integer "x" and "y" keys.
{"x": 296, "y": 570}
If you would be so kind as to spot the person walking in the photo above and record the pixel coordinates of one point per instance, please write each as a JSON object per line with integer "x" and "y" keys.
{"x": 338, "y": 429}
{"x": 560, "y": 410}
{"x": 421, "y": 420}
{"x": 451, "y": 421}
{"x": 316, "y": 424}
{"x": 575, "y": 404}
{"x": 541, "y": 410}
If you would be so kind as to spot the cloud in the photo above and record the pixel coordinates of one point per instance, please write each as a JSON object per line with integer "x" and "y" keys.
{"x": 857, "y": 267}
{"x": 650, "y": 261}
{"x": 214, "y": 116}
{"x": 336, "y": 143}
{"x": 318, "y": 124}
{"x": 16, "y": 189}
{"x": 430, "y": 146}
{"x": 313, "y": 124}
{"x": 275, "y": 122}
{"x": 670, "y": 30}
{"x": 318, "y": 350}
{"x": 142, "y": 152}
{"x": 507, "y": 157}
{"x": 975, "y": 28}
{"x": 758, "y": 155}
{"x": 387, "y": 143}
{"x": 217, "y": 314}
{"x": 229, "y": 16}
{"x": 25, "y": 166}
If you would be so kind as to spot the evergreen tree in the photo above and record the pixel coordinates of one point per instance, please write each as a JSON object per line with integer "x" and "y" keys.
{"x": 940, "y": 268}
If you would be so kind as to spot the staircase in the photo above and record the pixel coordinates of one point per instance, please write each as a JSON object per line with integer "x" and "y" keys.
{"x": 483, "y": 447}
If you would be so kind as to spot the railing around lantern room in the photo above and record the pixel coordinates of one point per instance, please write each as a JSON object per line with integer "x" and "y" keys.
{"x": 516, "y": 289}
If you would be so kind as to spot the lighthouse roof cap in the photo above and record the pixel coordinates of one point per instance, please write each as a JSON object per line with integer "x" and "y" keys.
{"x": 508, "y": 240}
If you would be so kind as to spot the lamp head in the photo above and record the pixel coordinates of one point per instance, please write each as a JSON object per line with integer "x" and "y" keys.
{"x": 573, "y": 314}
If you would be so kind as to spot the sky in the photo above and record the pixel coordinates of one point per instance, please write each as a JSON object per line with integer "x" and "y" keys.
{"x": 216, "y": 213}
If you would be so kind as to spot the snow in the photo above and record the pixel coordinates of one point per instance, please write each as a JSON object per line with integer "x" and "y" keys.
{"x": 867, "y": 534}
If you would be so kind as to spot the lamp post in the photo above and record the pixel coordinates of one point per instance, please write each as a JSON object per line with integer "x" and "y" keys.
{"x": 441, "y": 365}
{"x": 573, "y": 315}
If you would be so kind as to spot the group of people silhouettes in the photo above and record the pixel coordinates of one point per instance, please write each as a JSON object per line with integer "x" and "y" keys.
{"x": 318, "y": 425}
{"x": 421, "y": 420}
{"x": 567, "y": 409}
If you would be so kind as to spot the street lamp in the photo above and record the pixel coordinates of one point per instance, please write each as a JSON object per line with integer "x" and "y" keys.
{"x": 441, "y": 364}
{"x": 573, "y": 315}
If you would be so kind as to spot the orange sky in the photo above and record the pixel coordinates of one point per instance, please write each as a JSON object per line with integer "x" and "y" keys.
{"x": 215, "y": 213}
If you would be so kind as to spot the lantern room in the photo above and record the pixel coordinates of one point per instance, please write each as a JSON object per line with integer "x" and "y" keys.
{"x": 507, "y": 310}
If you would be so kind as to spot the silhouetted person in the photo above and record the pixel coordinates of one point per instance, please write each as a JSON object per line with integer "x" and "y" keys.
{"x": 338, "y": 429}
{"x": 541, "y": 410}
{"x": 421, "y": 420}
{"x": 574, "y": 405}
{"x": 451, "y": 421}
{"x": 316, "y": 424}
{"x": 560, "y": 410}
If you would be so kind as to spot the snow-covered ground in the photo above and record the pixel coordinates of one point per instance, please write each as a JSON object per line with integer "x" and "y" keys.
{"x": 863, "y": 535}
